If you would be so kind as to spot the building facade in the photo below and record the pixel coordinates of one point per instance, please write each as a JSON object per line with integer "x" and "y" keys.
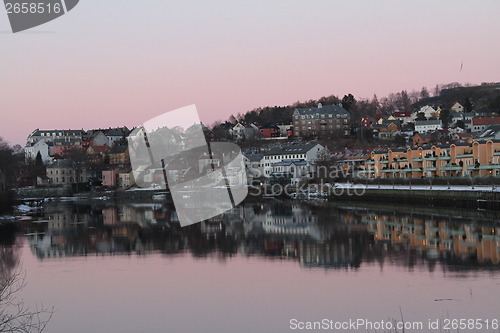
{"x": 455, "y": 160}
{"x": 321, "y": 120}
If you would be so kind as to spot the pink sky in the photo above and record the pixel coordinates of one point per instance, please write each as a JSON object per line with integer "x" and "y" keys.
{"x": 116, "y": 63}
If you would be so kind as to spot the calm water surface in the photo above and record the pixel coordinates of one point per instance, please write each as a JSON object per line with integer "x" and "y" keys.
{"x": 130, "y": 267}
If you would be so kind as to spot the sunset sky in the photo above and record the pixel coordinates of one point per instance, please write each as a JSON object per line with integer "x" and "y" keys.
{"x": 122, "y": 62}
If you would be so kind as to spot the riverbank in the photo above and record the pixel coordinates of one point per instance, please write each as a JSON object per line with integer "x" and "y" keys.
{"x": 479, "y": 197}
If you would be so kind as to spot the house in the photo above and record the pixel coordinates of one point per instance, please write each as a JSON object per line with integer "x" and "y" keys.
{"x": 308, "y": 152}
{"x": 269, "y": 131}
{"x": 387, "y": 129}
{"x": 465, "y": 137}
{"x": 286, "y": 130}
{"x": 100, "y": 139}
{"x": 61, "y": 146}
{"x": 457, "y": 107}
{"x": 97, "y": 154}
{"x": 367, "y": 122}
{"x": 403, "y": 116}
{"x": 479, "y": 124}
{"x": 126, "y": 179}
{"x": 110, "y": 177}
{"x": 31, "y": 150}
{"x": 420, "y": 139}
{"x": 241, "y": 131}
{"x": 65, "y": 172}
{"x": 51, "y": 135}
{"x": 254, "y": 165}
{"x": 427, "y": 110}
{"x": 291, "y": 172}
{"x": 423, "y": 126}
{"x": 116, "y": 134}
{"x": 119, "y": 154}
{"x": 321, "y": 120}
{"x": 492, "y": 132}
{"x": 238, "y": 132}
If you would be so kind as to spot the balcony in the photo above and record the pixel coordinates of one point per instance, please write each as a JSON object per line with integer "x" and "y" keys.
{"x": 484, "y": 167}
{"x": 451, "y": 168}
{"x": 390, "y": 170}
{"x": 465, "y": 155}
{"x": 411, "y": 170}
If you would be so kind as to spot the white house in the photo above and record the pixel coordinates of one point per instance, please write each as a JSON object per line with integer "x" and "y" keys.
{"x": 254, "y": 165}
{"x": 293, "y": 170}
{"x": 457, "y": 107}
{"x": 308, "y": 152}
{"x": 427, "y": 110}
{"x": 32, "y": 149}
{"x": 423, "y": 126}
{"x": 242, "y": 132}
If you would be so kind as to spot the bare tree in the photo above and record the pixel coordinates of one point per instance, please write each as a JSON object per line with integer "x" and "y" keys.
{"x": 15, "y": 315}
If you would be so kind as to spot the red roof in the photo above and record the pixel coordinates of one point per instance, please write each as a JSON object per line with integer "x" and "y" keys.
{"x": 486, "y": 121}
{"x": 402, "y": 113}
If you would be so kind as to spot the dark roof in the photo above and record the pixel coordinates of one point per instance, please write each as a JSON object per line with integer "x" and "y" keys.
{"x": 118, "y": 149}
{"x": 428, "y": 122}
{"x": 327, "y": 109}
{"x": 294, "y": 149}
{"x": 290, "y": 162}
{"x": 117, "y": 131}
{"x": 270, "y": 126}
{"x": 61, "y": 164}
{"x": 254, "y": 157}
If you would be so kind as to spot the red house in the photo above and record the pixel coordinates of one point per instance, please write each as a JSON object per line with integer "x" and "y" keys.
{"x": 269, "y": 131}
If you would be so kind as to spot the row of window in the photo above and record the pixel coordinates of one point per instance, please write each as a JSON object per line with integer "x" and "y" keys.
{"x": 63, "y": 171}
{"x": 55, "y": 180}
{"x": 317, "y": 116}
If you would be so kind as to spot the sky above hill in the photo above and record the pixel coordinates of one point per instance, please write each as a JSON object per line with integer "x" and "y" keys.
{"x": 122, "y": 62}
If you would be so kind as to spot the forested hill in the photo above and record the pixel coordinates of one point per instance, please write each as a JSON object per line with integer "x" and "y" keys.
{"x": 483, "y": 98}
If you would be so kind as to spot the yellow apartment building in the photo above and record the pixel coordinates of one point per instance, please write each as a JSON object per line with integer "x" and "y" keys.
{"x": 455, "y": 160}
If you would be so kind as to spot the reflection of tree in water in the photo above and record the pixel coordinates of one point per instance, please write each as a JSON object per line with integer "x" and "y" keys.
{"x": 15, "y": 316}
{"x": 9, "y": 252}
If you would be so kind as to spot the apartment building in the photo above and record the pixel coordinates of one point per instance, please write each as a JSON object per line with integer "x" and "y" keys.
{"x": 321, "y": 120}
{"x": 479, "y": 158}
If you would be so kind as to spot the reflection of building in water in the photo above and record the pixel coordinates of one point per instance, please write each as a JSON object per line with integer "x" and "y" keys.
{"x": 436, "y": 235}
{"x": 63, "y": 216}
{"x": 335, "y": 253}
{"x": 142, "y": 214}
{"x": 314, "y": 235}
{"x": 280, "y": 219}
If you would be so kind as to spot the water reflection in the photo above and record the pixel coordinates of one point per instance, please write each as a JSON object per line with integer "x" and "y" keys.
{"x": 313, "y": 234}
{"x": 10, "y": 253}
